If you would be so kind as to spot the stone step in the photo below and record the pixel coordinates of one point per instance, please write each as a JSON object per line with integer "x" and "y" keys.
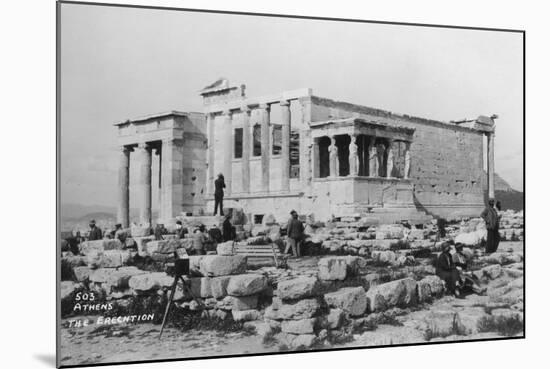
{"x": 208, "y": 220}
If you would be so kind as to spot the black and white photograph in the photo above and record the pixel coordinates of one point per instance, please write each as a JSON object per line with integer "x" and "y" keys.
{"x": 234, "y": 184}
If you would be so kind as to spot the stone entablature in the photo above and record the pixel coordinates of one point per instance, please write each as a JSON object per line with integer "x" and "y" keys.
{"x": 296, "y": 150}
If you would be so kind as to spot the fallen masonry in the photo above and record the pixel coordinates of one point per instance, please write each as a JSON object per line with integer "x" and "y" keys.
{"x": 357, "y": 279}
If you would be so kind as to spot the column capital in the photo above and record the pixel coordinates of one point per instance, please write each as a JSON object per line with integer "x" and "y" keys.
{"x": 227, "y": 113}
{"x": 264, "y": 106}
{"x": 143, "y": 146}
{"x": 285, "y": 103}
{"x": 245, "y": 109}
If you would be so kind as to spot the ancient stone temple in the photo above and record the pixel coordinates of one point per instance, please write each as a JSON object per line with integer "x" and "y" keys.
{"x": 180, "y": 142}
{"x": 295, "y": 150}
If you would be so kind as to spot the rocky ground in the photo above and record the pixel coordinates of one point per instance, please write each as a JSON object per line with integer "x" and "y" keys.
{"x": 367, "y": 285}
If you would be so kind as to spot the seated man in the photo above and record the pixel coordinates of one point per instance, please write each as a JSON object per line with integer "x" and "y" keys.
{"x": 467, "y": 281}
{"x": 446, "y": 270}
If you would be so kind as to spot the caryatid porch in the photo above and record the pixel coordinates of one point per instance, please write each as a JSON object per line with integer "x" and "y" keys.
{"x": 366, "y": 163}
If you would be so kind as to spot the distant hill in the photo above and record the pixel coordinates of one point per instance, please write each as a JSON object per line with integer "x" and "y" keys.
{"x": 508, "y": 197}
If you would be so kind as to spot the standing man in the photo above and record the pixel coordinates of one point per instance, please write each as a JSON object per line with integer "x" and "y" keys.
{"x": 219, "y": 185}
{"x": 490, "y": 216}
{"x": 95, "y": 232}
{"x": 228, "y": 229}
{"x": 295, "y": 234}
{"x": 180, "y": 230}
{"x": 198, "y": 241}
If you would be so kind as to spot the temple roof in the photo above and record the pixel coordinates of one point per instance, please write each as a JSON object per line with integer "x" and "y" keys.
{"x": 171, "y": 113}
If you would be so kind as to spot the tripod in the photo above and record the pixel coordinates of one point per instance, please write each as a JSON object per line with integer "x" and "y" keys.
{"x": 186, "y": 290}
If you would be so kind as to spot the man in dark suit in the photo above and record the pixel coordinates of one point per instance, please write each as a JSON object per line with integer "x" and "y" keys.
{"x": 295, "y": 234}
{"x": 219, "y": 185}
{"x": 490, "y": 216}
{"x": 95, "y": 232}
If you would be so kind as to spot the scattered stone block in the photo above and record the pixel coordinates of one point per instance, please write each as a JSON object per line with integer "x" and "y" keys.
{"x": 352, "y": 300}
{"x": 401, "y": 292}
{"x": 216, "y": 265}
{"x": 67, "y": 288}
{"x": 226, "y": 248}
{"x": 303, "y": 326}
{"x": 245, "y": 315}
{"x": 108, "y": 259}
{"x": 302, "y": 309}
{"x": 298, "y": 288}
{"x": 82, "y": 273}
{"x": 335, "y": 318}
{"x": 384, "y": 257}
{"x": 238, "y": 303}
{"x": 218, "y": 286}
{"x": 150, "y": 281}
{"x": 246, "y": 284}
{"x": 162, "y": 247}
{"x": 430, "y": 287}
{"x": 331, "y": 269}
{"x": 119, "y": 278}
{"x": 201, "y": 286}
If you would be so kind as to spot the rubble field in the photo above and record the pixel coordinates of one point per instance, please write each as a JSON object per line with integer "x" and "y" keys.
{"x": 358, "y": 284}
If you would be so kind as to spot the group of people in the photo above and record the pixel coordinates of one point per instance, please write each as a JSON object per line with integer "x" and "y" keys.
{"x": 295, "y": 228}
{"x": 452, "y": 267}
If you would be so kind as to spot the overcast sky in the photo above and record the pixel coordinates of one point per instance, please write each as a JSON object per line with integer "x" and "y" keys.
{"x": 120, "y": 63}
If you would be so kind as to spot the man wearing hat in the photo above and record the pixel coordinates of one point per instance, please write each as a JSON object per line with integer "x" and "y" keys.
{"x": 490, "y": 216}
{"x": 95, "y": 232}
{"x": 219, "y": 185}
{"x": 446, "y": 269}
{"x": 295, "y": 234}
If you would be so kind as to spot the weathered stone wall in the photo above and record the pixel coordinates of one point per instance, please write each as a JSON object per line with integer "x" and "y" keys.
{"x": 446, "y": 159}
{"x": 194, "y": 163}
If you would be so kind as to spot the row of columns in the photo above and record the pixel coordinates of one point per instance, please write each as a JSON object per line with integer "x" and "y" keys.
{"x": 265, "y": 159}
{"x": 171, "y": 181}
{"x": 373, "y": 158}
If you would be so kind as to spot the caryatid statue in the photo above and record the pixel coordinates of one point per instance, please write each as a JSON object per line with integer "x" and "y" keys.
{"x": 407, "y": 161}
{"x": 389, "y": 166}
{"x": 353, "y": 157}
{"x": 373, "y": 160}
{"x": 333, "y": 157}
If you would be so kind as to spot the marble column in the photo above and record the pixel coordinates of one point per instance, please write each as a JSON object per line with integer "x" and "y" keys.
{"x": 171, "y": 168}
{"x": 123, "y": 210}
{"x": 307, "y": 150}
{"x": 491, "y": 164}
{"x": 285, "y": 147}
{"x": 210, "y": 122}
{"x": 144, "y": 155}
{"x": 247, "y": 145}
{"x": 389, "y": 160}
{"x": 228, "y": 150}
{"x": 407, "y": 169}
{"x": 316, "y": 167}
{"x": 353, "y": 156}
{"x": 264, "y": 109}
{"x": 373, "y": 158}
{"x": 333, "y": 157}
